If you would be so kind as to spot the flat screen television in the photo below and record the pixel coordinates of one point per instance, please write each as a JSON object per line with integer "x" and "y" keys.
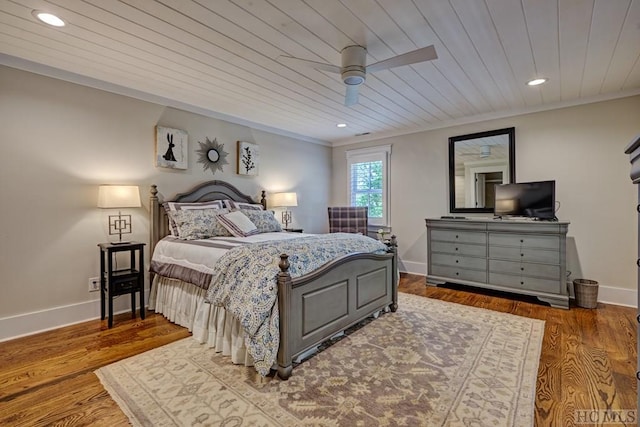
{"x": 527, "y": 199}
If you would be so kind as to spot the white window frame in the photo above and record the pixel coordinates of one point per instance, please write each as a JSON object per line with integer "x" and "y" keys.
{"x": 371, "y": 154}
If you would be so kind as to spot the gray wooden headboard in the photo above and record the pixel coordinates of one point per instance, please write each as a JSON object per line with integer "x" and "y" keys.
{"x": 205, "y": 192}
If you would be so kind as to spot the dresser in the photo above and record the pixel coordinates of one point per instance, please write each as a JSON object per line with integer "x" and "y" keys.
{"x": 521, "y": 256}
{"x": 633, "y": 150}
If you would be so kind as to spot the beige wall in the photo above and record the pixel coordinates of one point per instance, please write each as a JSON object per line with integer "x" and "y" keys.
{"x": 60, "y": 140}
{"x": 580, "y": 147}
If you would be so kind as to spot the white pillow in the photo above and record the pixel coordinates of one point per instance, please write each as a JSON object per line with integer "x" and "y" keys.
{"x": 238, "y": 224}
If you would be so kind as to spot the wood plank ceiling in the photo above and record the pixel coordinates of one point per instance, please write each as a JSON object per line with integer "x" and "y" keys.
{"x": 220, "y": 57}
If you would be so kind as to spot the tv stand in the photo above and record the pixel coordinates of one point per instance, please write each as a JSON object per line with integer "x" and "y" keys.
{"x": 514, "y": 255}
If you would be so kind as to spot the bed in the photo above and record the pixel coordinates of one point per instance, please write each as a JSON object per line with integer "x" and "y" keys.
{"x": 312, "y": 307}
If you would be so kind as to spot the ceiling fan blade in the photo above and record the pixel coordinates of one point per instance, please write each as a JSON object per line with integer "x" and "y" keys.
{"x": 351, "y": 95}
{"x": 419, "y": 55}
{"x": 313, "y": 64}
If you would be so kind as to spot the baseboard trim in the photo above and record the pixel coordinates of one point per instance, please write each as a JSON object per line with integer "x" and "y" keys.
{"x": 32, "y": 323}
{"x": 618, "y": 296}
{"x": 412, "y": 267}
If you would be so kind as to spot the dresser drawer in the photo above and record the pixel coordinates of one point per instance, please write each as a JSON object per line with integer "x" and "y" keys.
{"x": 458, "y": 273}
{"x": 525, "y": 241}
{"x": 459, "y": 236}
{"x": 459, "y": 248}
{"x": 545, "y": 271}
{"x": 524, "y": 254}
{"x": 525, "y": 283}
{"x": 460, "y": 261}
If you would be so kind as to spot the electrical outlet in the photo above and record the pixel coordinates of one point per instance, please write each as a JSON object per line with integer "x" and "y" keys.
{"x": 94, "y": 284}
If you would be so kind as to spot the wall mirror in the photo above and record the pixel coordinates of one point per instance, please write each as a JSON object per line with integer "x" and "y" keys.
{"x": 477, "y": 162}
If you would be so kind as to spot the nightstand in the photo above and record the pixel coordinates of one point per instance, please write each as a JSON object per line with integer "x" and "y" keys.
{"x": 293, "y": 230}
{"x": 114, "y": 282}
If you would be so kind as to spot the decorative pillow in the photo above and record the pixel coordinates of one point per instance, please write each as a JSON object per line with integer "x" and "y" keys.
{"x": 265, "y": 221}
{"x": 231, "y": 204}
{"x": 177, "y": 206}
{"x": 238, "y": 224}
{"x": 198, "y": 223}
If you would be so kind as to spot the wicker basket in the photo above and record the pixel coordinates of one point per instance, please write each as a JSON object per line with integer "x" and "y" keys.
{"x": 586, "y": 293}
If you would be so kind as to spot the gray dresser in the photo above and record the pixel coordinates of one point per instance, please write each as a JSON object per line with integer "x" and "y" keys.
{"x": 521, "y": 256}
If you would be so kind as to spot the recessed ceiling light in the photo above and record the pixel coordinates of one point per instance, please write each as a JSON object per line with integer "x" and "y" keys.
{"x": 536, "y": 82}
{"x": 342, "y": 125}
{"x": 48, "y": 18}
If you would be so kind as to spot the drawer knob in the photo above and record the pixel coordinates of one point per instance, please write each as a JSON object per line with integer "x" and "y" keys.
{"x": 456, "y": 236}
{"x": 457, "y": 274}
{"x": 522, "y": 283}
{"x": 456, "y": 261}
{"x": 521, "y": 268}
{"x": 521, "y": 254}
{"x": 456, "y": 249}
{"x": 521, "y": 241}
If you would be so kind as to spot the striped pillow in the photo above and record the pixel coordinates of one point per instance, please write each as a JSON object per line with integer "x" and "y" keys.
{"x": 232, "y": 204}
{"x": 238, "y": 224}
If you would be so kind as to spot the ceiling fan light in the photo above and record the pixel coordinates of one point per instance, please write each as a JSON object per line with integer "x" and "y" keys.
{"x": 48, "y": 18}
{"x": 353, "y": 77}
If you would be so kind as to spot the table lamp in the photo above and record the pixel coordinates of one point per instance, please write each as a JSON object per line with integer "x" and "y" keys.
{"x": 117, "y": 197}
{"x": 285, "y": 200}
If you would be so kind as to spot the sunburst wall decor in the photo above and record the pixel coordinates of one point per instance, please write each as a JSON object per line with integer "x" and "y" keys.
{"x": 212, "y": 155}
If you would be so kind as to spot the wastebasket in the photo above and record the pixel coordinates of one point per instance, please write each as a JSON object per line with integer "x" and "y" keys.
{"x": 586, "y": 293}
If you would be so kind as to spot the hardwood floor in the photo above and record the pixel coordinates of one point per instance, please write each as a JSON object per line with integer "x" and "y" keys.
{"x": 588, "y": 361}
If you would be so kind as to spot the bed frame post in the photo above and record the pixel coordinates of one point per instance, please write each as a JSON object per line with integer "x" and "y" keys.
{"x": 263, "y": 200}
{"x": 153, "y": 223}
{"x": 393, "y": 248}
{"x": 154, "y": 215}
{"x": 285, "y": 361}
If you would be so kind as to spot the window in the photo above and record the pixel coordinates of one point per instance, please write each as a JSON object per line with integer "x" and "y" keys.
{"x": 368, "y": 173}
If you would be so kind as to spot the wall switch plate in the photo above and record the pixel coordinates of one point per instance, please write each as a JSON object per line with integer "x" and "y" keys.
{"x": 94, "y": 284}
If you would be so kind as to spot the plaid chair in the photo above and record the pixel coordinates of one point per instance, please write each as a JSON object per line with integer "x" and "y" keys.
{"x": 348, "y": 219}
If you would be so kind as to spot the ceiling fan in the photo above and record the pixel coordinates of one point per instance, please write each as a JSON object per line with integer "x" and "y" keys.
{"x": 354, "y": 67}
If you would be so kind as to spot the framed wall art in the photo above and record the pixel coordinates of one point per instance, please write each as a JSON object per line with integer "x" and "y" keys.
{"x": 171, "y": 148}
{"x": 248, "y": 158}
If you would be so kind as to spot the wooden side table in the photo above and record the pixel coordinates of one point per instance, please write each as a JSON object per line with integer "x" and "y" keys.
{"x": 114, "y": 282}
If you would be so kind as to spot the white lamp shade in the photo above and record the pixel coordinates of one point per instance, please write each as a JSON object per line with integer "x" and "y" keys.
{"x": 284, "y": 199}
{"x": 118, "y": 196}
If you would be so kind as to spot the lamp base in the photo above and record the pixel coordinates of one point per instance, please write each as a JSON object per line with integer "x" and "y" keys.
{"x": 121, "y": 242}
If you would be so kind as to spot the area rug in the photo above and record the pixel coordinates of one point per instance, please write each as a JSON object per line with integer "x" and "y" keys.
{"x": 432, "y": 363}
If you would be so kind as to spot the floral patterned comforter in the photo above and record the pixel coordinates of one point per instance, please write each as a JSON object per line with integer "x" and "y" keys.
{"x": 246, "y": 283}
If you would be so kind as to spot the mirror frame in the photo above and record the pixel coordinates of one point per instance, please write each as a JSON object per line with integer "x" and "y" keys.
{"x": 510, "y": 132}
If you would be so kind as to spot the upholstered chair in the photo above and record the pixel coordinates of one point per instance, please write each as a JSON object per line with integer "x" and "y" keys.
{"x": 348, "y": 219}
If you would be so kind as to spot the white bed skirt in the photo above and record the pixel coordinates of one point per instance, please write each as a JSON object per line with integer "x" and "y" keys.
{"x": 183, "y": 304}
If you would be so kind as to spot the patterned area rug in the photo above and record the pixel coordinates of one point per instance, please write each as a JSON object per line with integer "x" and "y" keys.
{"x": 431, "y": 363}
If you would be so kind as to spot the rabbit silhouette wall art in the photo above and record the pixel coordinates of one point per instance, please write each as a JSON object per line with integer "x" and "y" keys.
{"x": 171, "y": 148}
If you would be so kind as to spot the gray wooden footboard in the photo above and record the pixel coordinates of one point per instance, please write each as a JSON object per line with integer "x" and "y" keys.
{"x": 315, "y": 307}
